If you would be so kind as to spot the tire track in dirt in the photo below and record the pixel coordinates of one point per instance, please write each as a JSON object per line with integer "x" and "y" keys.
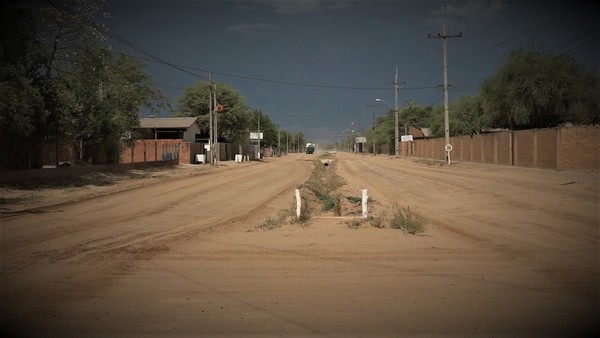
{"x": 522, "y": 214}
{"x": 127, "y": 221}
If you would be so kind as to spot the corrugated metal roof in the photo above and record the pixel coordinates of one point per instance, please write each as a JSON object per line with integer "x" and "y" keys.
{"x": 167, "y": 122}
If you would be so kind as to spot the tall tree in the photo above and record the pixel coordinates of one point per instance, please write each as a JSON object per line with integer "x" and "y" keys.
{"x": 465, "y": 117}
{"x": 269, "y": 130}
{"x": 382, "y": 134}
{"x": 62, "y": 85}
{"x": 415, "y": 115}
{"x": 234, "y": 122}
{"x": 536, "y": 90}
{"x": 22, "y": 109}
{"x": 102, "y": 101}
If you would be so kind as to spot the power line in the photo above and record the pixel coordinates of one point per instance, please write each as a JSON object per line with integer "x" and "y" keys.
{"x": 154, "y": 58}
{"x": 543, "y": 23}
{"x": 63, "y": 8}
{"x": 291, "y": 83}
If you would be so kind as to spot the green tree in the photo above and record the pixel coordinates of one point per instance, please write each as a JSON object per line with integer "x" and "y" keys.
{"x": 22, "y": 111}
{"x": 102, "y": 101}
{"x": 62, "y": 85}
{"x": 415, "y": 115}
{"x": 234, "y": 122}
{"x": 269, "y": 130}
{"x": 287, "y": 140}
{"x": 436, "y": 122}
{"x": 382, "y": 134}
{"x": 465, "y": 117}
{"x": 297, "y": 141}
{"x": 536, "y": 90}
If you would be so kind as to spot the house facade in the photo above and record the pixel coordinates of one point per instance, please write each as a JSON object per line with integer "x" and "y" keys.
{"x": 169, "y": 128}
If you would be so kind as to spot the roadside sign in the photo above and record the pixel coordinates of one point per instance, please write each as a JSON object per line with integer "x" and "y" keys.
{"x": 406, "y": 138}
{"x": 255, "y": 136}
{"x": 448, "y": 147}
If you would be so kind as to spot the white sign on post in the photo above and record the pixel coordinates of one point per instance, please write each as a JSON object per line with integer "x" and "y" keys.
{"x": 254, "y": 136}
{"x": 406, "y": 138}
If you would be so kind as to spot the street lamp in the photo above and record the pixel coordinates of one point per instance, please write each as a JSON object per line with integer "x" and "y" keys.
{"x": 395, "y": 108}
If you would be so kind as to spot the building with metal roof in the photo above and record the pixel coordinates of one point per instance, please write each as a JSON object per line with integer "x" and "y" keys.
{"x": 169, "y": 128}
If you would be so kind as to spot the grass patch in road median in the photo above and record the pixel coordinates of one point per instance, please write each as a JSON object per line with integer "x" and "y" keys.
{"x": 323, "y": 182}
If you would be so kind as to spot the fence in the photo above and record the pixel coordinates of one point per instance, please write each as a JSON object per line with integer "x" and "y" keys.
{"x": 153, "y": 151}
{"x": 561, "y": 148}
{"x": 184, "y": 152}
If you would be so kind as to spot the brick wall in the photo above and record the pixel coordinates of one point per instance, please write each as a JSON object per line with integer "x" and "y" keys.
{"x": 579, "y": 148}
{"x": 154, "y": 151}
{"x": 563, "y": 148}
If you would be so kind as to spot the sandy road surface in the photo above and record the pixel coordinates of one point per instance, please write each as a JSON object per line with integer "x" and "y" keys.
{"x": 506, "y": 252}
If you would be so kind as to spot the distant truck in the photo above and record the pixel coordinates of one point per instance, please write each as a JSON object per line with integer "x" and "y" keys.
{"x": 310, "y": 148}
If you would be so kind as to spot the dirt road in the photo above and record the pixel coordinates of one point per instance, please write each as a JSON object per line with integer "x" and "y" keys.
{"x": 505, "y": 252}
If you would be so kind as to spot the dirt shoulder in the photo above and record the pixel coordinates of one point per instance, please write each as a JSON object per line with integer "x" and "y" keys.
{"x": 34, "y": 194}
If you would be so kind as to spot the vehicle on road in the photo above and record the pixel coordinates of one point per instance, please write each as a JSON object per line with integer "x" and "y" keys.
{"x": 310, "y": 148}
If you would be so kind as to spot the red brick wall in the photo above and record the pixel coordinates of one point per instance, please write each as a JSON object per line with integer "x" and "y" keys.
{"x": 546, "y": 150}
{"x": 579, "y": 148}
{"x": 565, "y": 148}
{"x": 155, "y": 150}
{"x": 524, "y": 148}
{"x": 503, "y": 148}
{"x": 456, "y": 148}
{"x": 477, "y": 146}
{"x": 489, "y": 147}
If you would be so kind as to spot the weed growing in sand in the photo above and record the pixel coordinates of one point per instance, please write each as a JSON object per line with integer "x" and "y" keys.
{"x": 378, "y": 221}
{"x": 275, "y": 222}
{"x": 355, "y": 223}
{"x": 407, "y": 221}
{"x": 303, "y": 219}
{"x": 323, "y": 182}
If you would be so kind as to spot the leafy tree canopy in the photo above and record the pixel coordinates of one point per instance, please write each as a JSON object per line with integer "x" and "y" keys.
{"x": 233, "y": 123}
{"x": 536, "y": 90}
{"x": 60, "y": 84}
{"x": 465, "y": 117}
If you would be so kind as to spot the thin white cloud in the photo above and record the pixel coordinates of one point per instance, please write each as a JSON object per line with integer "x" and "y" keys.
{"x": 252, "y": 30}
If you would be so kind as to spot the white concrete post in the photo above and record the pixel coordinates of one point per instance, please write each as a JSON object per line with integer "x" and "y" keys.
{"x": 365, "y": 198}
{"x": 298, "y": 203}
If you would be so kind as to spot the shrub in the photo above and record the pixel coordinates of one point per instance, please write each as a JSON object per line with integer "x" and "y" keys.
{"x": 405, "y": 220}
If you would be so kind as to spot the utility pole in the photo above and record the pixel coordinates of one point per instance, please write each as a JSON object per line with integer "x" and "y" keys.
{"x": 210, "y": 119}
{"x": 216, "y": 129}
{"x": 396, "y": 137}
{"x": 258, "y": 136}
{"x": 373, "y": 110}
{"x": 444, "y": 37}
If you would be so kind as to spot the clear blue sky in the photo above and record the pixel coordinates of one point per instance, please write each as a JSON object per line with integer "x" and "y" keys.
{"x": 315, "y": 65}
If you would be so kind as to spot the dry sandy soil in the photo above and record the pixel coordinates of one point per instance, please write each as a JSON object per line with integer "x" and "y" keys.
{"x": 183, "y": 253}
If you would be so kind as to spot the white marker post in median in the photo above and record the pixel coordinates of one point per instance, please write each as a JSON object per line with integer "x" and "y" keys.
{"x": 365, "y": 198}
{"x": 298, "y": 203}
